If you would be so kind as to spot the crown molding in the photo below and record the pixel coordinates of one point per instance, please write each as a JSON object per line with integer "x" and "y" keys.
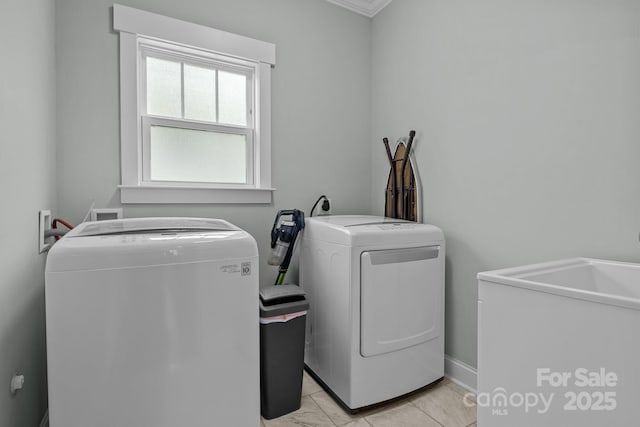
{"x": 368, "y": 8}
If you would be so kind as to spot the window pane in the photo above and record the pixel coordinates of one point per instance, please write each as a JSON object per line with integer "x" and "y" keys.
{"x": 163, "y": 88}
{"x": 232, "y": 98}
{"x": 199, "y": 93}
{"x": 197, "y": 156}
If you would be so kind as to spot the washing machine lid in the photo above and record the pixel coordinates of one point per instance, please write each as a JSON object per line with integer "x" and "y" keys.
{"x": 149, "y": 225}
{"x": 339, "y": 221}
{"x": 364, "y": 230}
{"x": 139, "y": 242}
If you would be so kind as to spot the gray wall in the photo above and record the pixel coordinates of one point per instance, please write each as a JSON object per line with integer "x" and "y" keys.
{"x": 528, "y": 123}
{"x": 320, "y": 106}
{"x": 526, "y": 115}
{"x": 27, "y": 171}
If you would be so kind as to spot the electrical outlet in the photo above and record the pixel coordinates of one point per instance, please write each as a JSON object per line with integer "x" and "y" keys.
{"x": 17, "y": 382}
{"x": 44, "y": 224}
{"x": 326, "y": 204}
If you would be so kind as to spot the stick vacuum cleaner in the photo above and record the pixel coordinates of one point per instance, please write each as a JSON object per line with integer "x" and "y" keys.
{"x": 283, "y": 238}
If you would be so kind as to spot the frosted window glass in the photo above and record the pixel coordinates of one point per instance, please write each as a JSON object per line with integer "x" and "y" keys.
{"x": 232, "y": 98}
{"x": 197, "y": 156}
{"x": 163, "y": 88}
{"x": 199, "y": 93}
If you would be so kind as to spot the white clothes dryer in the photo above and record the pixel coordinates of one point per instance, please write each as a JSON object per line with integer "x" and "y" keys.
{"x": 375, "y": 328}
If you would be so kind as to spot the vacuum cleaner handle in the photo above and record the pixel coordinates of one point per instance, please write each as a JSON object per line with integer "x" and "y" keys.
{"x": 274, "y": 230}
{"x": 296, "y": 215}
{"x": 288, "y": 234}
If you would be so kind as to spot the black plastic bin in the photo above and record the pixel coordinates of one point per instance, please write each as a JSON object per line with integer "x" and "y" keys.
{"x": 283, "y": 313}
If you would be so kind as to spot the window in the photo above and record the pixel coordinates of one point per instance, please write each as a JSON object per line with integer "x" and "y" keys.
{"x": 197, "y": 118}
{"x": 195, "y": 112}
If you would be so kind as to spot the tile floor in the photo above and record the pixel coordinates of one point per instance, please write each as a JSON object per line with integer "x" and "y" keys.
{"x": 438, "y": 406}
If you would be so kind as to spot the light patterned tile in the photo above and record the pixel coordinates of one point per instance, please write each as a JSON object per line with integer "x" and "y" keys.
{"x": 457, "y": 388}
{"x": 445, "y": 404}
{"x": 474, "y": 425}
{"x": 309, "y": 415}
{"x": 384, "y": 407}
{"x": 309, "y": 385}
{"x": 361, "y": 422}
{"x": 405, "y": 415}
{"x": 338, "y": 415}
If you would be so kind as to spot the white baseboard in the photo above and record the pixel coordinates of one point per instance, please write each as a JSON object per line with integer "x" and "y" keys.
{"x": 461, "y": 373}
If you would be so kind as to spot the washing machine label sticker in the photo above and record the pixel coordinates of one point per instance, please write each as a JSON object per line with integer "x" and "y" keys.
{"x": 230, "y": 268}
{"x": 246, "y": 269}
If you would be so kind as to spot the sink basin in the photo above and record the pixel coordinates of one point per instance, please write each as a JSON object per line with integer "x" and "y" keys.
{"x": 543, "y": 329}
{"x": 609, "y": 282}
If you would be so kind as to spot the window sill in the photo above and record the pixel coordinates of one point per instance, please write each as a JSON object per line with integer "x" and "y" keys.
{"x": 137, "y": 194}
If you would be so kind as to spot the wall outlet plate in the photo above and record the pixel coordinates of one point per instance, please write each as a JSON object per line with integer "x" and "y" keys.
{"x": 44, "y": 223}
{"x": 328, "y": 211}
{"x": 17, "y": 382}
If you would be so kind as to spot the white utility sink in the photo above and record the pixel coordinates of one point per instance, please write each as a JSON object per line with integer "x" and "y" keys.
{"x": 558, "y": 344}
{"x": 592, "y": 279}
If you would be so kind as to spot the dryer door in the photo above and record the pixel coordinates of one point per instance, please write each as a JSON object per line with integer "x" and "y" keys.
{"x": 401, "y": 298}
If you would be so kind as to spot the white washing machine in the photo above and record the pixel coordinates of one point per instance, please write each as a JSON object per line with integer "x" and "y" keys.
{"x": 153, "y": 322}
{"x": 375, "y": 285}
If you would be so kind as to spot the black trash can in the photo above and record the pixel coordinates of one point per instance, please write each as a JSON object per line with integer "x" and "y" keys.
{"x": 283, "y": 313}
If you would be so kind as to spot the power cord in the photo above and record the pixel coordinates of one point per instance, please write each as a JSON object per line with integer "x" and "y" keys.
{"x": 325, "y": 205}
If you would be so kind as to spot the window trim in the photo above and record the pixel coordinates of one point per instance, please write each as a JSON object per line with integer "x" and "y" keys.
{"x": 136, "y": 26}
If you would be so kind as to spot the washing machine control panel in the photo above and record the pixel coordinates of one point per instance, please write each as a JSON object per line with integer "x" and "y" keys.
{"x": 397, "y": 226}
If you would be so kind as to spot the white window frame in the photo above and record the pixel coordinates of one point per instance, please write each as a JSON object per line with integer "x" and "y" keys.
{"x": 144, "y": 31}
{"x": 162, "y": 50}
